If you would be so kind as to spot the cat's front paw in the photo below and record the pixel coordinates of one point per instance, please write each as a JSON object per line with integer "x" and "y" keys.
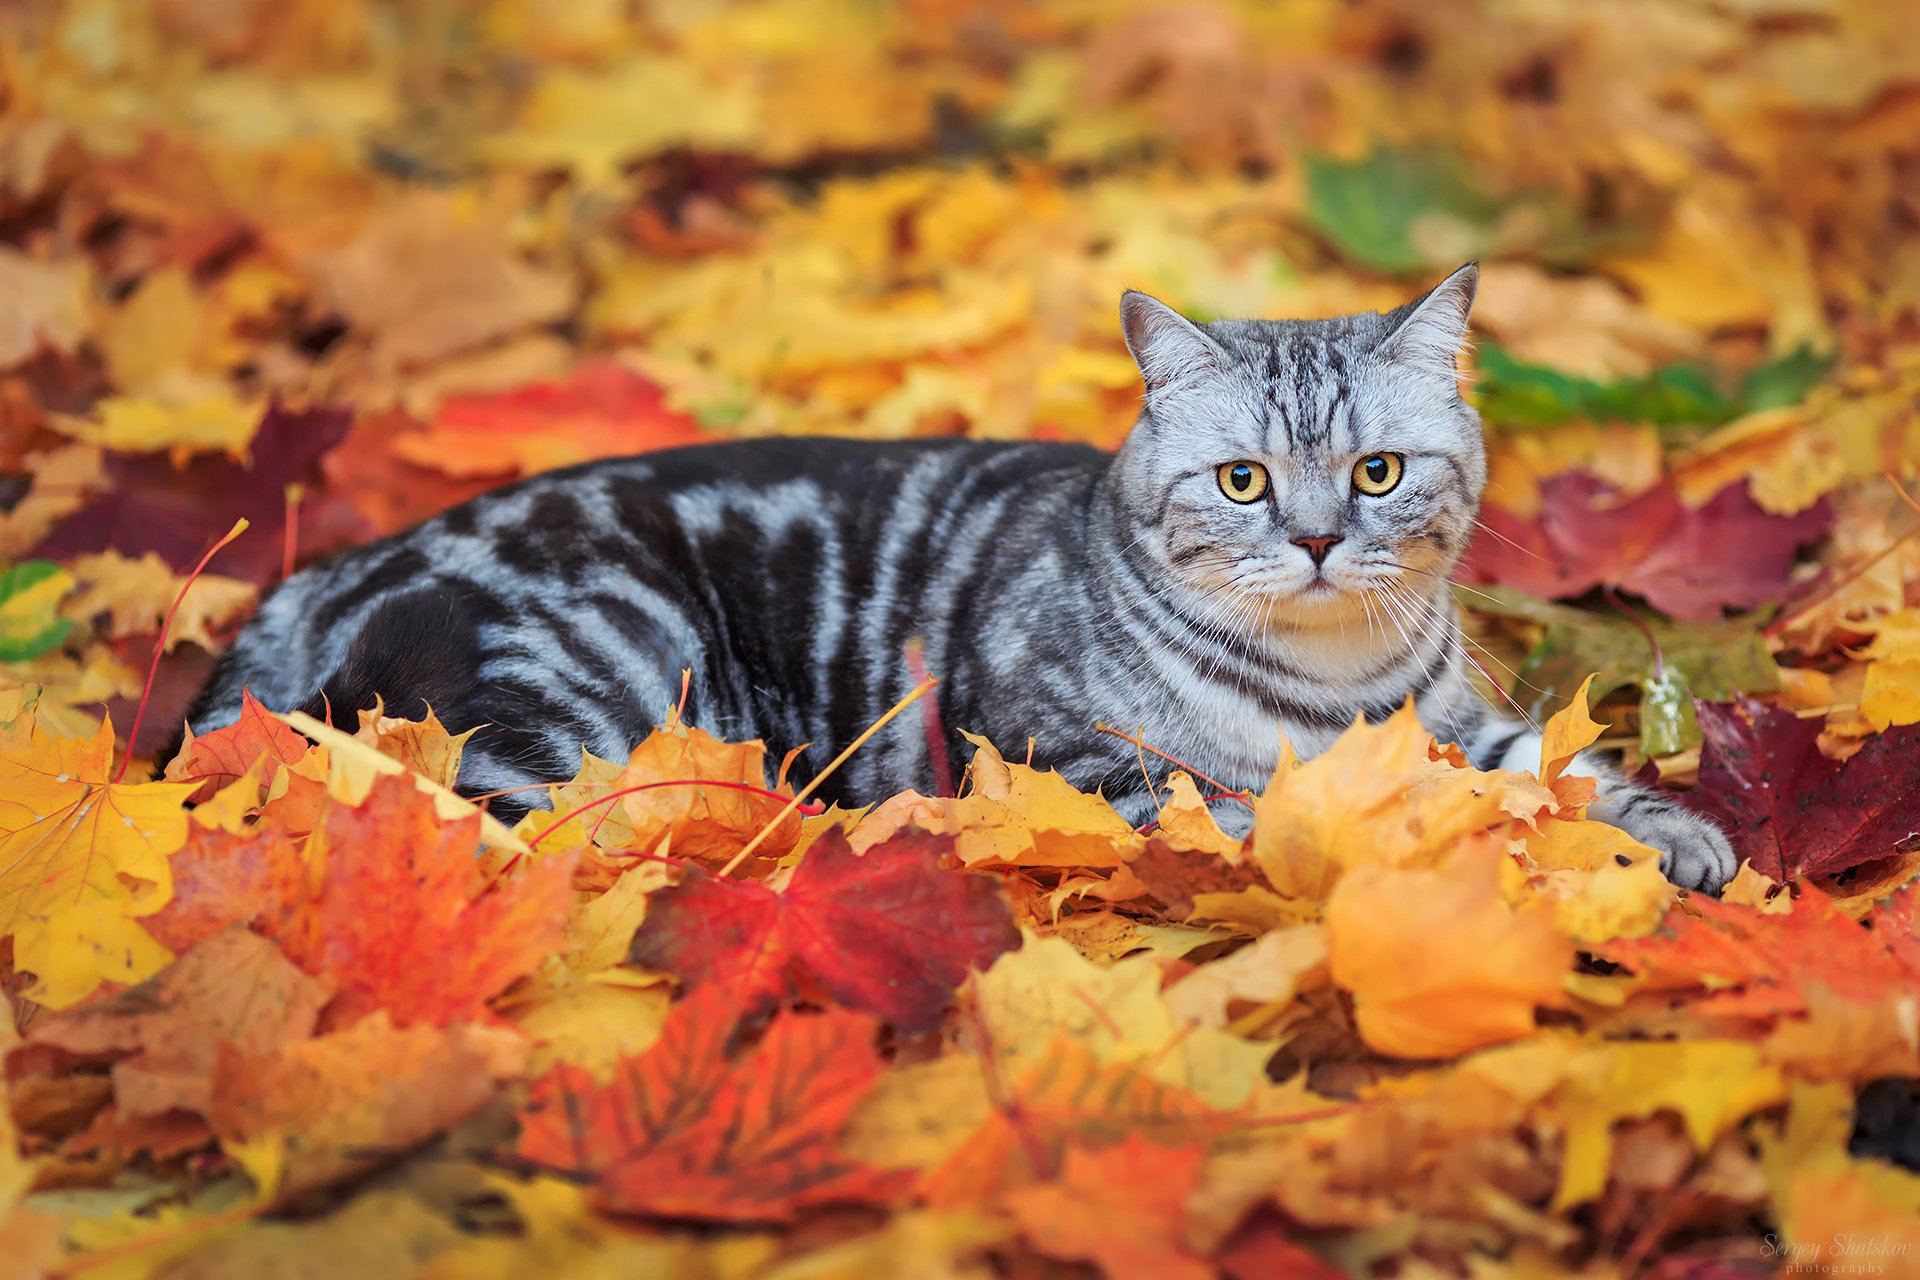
{"x": 1694, "y": 853}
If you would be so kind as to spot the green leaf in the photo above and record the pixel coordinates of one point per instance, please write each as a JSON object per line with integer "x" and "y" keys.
{"x": 1784, "y": 381}
{"x": 1368, "y": 208}
{"x": 30, "y": 623}
{"x": 1710, "y": 660}
{"x": 1515, "y": 394}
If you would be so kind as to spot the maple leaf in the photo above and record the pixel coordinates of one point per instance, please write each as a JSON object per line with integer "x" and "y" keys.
{"x": 255, "y": 876}
{"x": 217, "y": 758}
{"x": 705, "y": 823}
{"x": 1378, "y": 795}
{"x": 1121, "y": 1207}
{"x": 1689, "y": 562}
{"x": 137, "y": 594}
{"x": 1046, "y": 992}
{"x": 162, "y": 1036}
{"x": 601, "y": 410}
{"x": 431, "y": 276}
{"x": 1436, "y": 960}
{"x": 81, "y": 856}
{"x": 684, "y": 1131}
{"x": 399, "y": 897}
{"x": 887, "y": 932}
{"x": 1012, "y": 815}
{"x": 1734, "y": 962}
{"x": 48, "y": 305}
{"x": 314, "y": 1112}
{"x": 1793, "y": 812}
{"x": 150, "y": 505}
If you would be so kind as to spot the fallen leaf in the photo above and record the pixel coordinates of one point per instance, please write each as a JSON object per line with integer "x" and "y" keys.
{"x": 137, "y": 595}
{"x": 1121, "y": 1208}
{"x": 1689, "y": 562}
{"x": 316, "y": 1112}
{"x": 1793, "y": 812}
{"x": 81, "y": 857}
{"x": 601, "y": 410}
{"x": 397, "y": 894}
{"x": 886, "y": 932}
{"x": 150, "y": 505}
{"x": 686, "y": 1130}
{"x": 162, "y": 1036}
{"x": 1436, "y": 960}
{"x": 433, "y": 275}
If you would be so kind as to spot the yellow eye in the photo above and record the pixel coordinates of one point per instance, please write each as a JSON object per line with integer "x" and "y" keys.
{"x": 1243, "y": 481}
{"x": 1377, "y": 473}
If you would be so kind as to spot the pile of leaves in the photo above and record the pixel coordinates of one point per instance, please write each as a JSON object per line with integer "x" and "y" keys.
{"x": 329, "y": 266}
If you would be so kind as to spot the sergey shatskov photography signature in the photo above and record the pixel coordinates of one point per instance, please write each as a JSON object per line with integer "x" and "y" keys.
{"x": 1843, "y": 1255}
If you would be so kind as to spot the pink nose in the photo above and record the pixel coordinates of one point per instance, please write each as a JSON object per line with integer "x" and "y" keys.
{"x": 1317, "y": 547}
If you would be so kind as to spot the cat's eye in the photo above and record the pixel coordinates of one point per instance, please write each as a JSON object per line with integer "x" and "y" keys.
{"x": 1243, "y": 481}
{"x": 1377, "y": 473}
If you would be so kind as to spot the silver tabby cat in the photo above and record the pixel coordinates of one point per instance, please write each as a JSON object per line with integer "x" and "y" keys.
{"x": 1270, "y": 547}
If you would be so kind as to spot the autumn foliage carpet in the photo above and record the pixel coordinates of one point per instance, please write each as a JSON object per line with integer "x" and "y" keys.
{"x": 284, "y": 1005}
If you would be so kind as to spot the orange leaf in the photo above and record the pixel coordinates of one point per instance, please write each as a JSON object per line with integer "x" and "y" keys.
{"x": 217, "y": 758}
{"x": 346, "y": 1102}
{"x": 1437, "y": 962}
{"x": 235, "y": 989}
{"x": 402, "y": 921}
{"x": 686, "y": 1131}
{"x": 1120, "y": 1207}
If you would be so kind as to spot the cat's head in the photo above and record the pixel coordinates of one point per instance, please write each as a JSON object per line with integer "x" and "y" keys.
{"x": 1303, "y": 463}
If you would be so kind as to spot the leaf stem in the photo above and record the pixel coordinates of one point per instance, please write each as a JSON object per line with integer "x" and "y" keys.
{"x": 160, "y": 644}
{"x": 913, "y": 695}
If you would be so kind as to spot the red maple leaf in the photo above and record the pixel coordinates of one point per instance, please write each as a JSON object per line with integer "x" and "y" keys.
{"x": 685, "y": 1130}
{"x": 889, "y": 933}
{"x": 404, "y": 922}
{"x": 1789, "y": 809}
{"x": 1688, "y": 562}
{"x": 1743, "y": 963}
{"x": 151, "y": 505}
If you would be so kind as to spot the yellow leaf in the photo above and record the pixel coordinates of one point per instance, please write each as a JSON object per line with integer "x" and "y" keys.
{"x": 1267, "y": 973}
{"x": 79, "y": 857}
{"x": 1609, "y": 901}
{"x": 46, "y": 304}
{"x": 1572, "y": 729}
{"x": 1012, "y": 815}
{"x": 136, "y": 595}
{"x": 1376, "y": 797}
{"x": 599, "y": 933}
{"x": 594, "y": 1025}
{"x": 593, "y": 122}
{"x": 1185, "y": 820}
{"x": 1047, "y": 991}
{"x": 134, "y": 425}
{"x": 353, "y": 765}
{"x": 1891, "y": 694}
{"x": 1711, "y": 1084}
{"x": 1436, "y": 960}
{"x": 423, "y": 746}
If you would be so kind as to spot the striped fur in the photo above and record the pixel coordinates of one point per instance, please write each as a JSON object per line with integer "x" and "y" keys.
{"x": 1053, "y": 586}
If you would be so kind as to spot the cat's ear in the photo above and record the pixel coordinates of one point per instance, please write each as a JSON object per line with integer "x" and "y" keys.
{"x": 1170, "y": 349}
{"x": 1430, "y": 331}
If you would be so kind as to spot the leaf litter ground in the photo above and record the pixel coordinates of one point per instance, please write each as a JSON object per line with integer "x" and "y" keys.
{"x": 331, "y": 267}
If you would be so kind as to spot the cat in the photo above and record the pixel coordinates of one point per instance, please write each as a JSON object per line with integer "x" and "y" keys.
{"x": 1268, "y": 550}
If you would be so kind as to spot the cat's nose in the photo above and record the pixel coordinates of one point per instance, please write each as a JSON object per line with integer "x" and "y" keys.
{"x": 1317, "y": 547}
